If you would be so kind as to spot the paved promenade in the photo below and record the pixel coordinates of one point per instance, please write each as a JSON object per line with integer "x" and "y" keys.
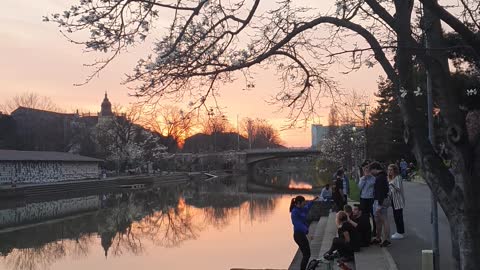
{"x": 407, "y": 252}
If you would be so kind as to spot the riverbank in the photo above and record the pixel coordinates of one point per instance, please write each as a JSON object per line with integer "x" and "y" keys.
{"x": 104, "y": 184}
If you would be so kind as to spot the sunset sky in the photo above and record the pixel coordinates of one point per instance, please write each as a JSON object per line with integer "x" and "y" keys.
{"x": 35, "y": 57}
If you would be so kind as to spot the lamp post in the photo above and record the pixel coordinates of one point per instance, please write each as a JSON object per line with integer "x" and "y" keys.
{"x": 427, "y": 30}
{"x": 238, "y": 136}
{"x": 363, "y": 110}
{"x": 352, "y": 139}
{"x": 210, "y": 114}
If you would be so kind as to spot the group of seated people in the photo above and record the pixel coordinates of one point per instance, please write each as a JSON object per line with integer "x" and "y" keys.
{"x": 354, "y": 232}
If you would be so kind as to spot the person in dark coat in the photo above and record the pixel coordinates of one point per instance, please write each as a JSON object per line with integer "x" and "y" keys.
{"x": 381, "y": 204}
{"x": 364, "y": 229}
{"x": 338, "y": 196}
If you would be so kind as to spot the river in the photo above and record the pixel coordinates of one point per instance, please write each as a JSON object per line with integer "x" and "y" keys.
{"x": 213, "y": 225}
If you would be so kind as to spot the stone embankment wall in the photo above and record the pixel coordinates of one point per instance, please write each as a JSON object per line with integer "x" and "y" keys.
{"x": 37, "y": 172}
{"x": 230, "y": 160}
{"x": 36, "y": 212}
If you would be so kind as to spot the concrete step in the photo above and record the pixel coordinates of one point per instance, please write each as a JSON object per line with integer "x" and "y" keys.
{"x": 374, "y": 258}
{"x": 297, "y": 259}
{"x": 329, "y": 233}
{"x": 316, "y": 243}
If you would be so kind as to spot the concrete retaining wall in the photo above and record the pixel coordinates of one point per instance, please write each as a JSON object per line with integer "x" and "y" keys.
{"x": 36, "y": 212}
{"x": 37, "y": 172}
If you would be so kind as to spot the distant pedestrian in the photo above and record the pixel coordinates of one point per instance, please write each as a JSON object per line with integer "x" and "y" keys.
{"x": 380, "y": 205}
{"x": 326, "y": 194}
{"x": 346, "y": 183}
{"x": 395, "y": 184}
{"x": 338, "y": 197}
{"x": 410, "y": 171}
{"x": 299, "y": 208}
{"x": 403, "y": 168}
{"x": 366, "y": 185}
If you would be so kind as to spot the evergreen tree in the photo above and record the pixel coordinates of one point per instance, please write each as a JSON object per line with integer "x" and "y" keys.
{"x": 385, "y": 133}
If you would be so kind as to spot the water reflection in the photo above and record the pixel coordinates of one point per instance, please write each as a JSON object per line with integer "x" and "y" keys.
{"x": 297, "y": 172}
{"x": 299, "y": 179}
{"x": 130, "y": 223}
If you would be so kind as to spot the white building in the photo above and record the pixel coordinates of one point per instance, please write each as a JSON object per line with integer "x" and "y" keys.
{"x": 34, "y": 167}
{"x": 318, "y": 133}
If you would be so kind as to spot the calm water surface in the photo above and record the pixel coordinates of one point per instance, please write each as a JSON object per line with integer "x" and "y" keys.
{"x": 214, "y": 225}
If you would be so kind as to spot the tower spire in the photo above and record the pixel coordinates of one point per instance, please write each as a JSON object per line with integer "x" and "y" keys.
{"x": 106, "y": 107}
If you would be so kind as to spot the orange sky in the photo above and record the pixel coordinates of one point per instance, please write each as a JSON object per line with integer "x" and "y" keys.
{"x": 36, "y": 58}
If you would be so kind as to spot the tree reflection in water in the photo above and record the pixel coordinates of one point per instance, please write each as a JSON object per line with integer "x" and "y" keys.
{"x": 169, "y": 227}
{"x": 44, "y": 256}
{"x": 162, "y": 216}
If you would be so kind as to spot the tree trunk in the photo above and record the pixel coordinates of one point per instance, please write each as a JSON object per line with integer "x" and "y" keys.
{"x": 468, "y": 241}
{"x": 455, "y": 247}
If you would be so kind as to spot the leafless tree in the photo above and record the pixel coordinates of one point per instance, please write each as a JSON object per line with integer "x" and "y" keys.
{"x": 210, "y": 41}
{"x": 248, "y": 126}
{"x": 171, "y": 121}
{"x": 36, "y": 258}
{"x": 29, "y": 100}
{"x": 215, "y": 123}
{"x": 260, "y": 133}
{"x": 170, "y": 227}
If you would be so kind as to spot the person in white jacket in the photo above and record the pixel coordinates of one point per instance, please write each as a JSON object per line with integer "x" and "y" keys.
{"x": 395, "y": 185}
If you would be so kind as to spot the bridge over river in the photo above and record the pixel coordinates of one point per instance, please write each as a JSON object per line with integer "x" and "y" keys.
{"x": 257, "y": 155}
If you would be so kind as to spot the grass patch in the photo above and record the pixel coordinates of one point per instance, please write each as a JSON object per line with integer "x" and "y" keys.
{"x": 354, "y": 191}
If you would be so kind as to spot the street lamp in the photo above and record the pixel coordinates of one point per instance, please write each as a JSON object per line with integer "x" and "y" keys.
{"x": 210, "y": 114}
{"x": 363, "y": 110}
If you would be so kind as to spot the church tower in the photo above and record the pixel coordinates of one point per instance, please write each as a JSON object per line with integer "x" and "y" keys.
{"x": 106, "y": 113}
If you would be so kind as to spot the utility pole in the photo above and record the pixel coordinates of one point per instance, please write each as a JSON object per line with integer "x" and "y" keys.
{"x": 238, "y": 136}
{"x": 427, "y": 25}
{"x": 210, "y": 114}
{"x": 363, "y": 110}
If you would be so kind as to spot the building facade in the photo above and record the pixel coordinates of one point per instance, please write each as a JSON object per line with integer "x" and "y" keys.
{"x": 319, "y": 132}
{"x": 36, "y": 167}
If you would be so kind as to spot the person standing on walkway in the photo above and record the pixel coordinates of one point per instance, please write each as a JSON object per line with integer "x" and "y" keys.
{"x": 380, "y": 205}
{"x": 346, "y": 184}
{"x": 366, "y": 186}
{"x": 395, "y": 185}
{"x": 299, "y": 208}
{"x": 338, "y": 197}
{"x": 403, "y": 168}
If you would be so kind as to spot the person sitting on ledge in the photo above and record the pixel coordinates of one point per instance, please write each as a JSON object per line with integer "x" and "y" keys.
{"x": 347, "y": 241}
{"x": 326, "y": 194}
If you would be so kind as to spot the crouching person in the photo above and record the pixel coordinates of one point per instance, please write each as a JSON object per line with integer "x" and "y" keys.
{"x": 361, "y": 221}
{"x": 347, "y": 241}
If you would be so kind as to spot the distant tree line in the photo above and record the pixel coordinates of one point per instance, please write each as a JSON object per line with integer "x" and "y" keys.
{"x": 131, "y": 139}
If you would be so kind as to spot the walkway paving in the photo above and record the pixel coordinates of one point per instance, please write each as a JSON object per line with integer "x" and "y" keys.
{"x": 407, "y": 252}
